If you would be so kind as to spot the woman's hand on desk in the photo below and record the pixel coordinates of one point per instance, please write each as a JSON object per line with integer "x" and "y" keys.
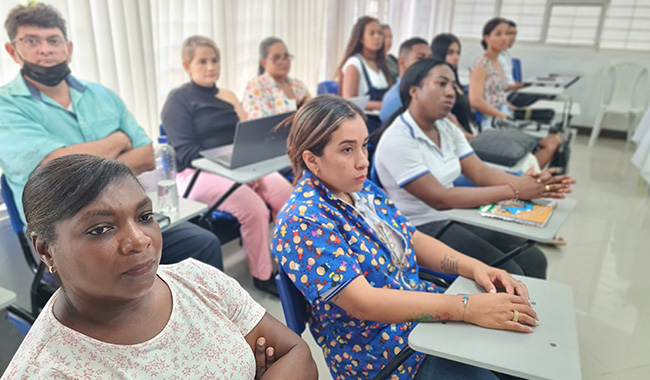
{"x": 492, "y": 279}
{"x": 558, "y": 185}
{"x": 543, "y": 185}
{"x": 497, "y": 311}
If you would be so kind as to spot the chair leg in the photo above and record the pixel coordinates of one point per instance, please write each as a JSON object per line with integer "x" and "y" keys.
{"x": 394, "y": 363}
{"x": 634, "y": 121}
{"x": 597, "y": 126}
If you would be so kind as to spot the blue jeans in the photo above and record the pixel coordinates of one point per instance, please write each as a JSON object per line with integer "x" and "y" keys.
{"x": 433, "y": 367}
{"x": 486, "y": 121}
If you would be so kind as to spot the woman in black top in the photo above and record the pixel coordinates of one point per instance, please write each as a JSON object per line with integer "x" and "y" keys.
{"x": 199, "y": 115}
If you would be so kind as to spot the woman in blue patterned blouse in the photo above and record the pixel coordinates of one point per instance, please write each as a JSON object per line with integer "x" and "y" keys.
{"x": 353, "y": 255}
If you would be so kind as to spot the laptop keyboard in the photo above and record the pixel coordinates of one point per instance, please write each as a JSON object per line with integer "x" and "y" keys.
{"x": 224, "y": 159}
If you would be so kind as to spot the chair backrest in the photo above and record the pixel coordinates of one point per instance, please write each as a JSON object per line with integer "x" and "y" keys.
{"x": 628, "y": 83}
{"x": 328, "y": 87}
{"x": 516, "y": 69}
{"x": 293, "y": 302}
{"x": 17, "y": 223}
{"x": 162, "y": 131}
{"x": 12, "y": 210}
{"x": 374, "y": 176}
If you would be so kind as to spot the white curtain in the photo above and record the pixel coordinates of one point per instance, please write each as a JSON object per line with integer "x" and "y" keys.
{"x": 134, "y": 46}
{"x": 112, "y": 46}
{"x": 237, "y": 27}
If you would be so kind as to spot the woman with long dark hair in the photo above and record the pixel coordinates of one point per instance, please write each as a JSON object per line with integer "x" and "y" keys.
{"x": 420, "y": 155}
{"x": 446, "y": 47}
{"x": 363, "y": 69}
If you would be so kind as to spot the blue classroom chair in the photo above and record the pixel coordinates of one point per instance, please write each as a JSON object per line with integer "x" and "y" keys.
{"x": 296, "y": 314}
{"x": 328, "y": 87}
{"x": 44, "y": 283}
{"x": 516, "y": 69}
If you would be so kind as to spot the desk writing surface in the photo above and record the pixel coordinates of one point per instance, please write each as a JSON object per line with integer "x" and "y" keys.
{"x": 187, "y": 209}
{"x": 540, "y": 90}
{"x": 558, "y": 106}
{"x": 544, "y": 234}
{"x": 550, "y": 352}
{"x": 246, "y": 173}
{"x": 7, "y": 297}
{"x": 553, "y": 81}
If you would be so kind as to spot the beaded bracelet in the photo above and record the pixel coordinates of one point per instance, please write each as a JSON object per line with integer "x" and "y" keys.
{"x": 515, "y": 191}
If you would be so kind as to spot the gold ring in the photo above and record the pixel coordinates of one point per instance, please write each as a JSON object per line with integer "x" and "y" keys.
{"x": 548, "y": 188}
{"x": 516, "y": 317}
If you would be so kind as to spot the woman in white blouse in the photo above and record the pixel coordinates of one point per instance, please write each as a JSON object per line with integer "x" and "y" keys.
{"x": 118, "y": 314}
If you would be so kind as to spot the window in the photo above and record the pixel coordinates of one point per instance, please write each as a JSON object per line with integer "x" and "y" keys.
{"x": 470, "y": 16}
{"x": 627, "y": 25}
{"x": 528, "y": 15}
{"x": 573, "y": 24}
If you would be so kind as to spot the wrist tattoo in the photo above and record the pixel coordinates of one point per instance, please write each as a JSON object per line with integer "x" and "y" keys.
{"x": 444, "y": 317}
{"x": 449, "y": 264}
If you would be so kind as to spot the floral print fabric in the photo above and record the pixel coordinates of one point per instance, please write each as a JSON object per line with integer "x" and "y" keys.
{"x": 323, "y": 244}
{"x": 264, "y": 97}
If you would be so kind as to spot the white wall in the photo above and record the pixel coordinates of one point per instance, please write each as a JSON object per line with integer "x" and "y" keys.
{"x": 541, "y": 60}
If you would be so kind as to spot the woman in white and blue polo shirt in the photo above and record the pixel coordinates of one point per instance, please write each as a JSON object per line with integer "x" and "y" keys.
{"x": 421, "y": 153}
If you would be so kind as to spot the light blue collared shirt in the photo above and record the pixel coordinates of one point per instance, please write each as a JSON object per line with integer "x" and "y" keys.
{"x": 391, "y": 101}
{"x": 33, "y": 125}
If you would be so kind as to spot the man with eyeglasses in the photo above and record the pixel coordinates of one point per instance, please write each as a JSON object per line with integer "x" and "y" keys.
{"x": 48, "y": 113}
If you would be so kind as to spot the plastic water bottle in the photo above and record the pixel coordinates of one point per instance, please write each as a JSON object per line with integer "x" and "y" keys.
{"x": 166, "y": 176}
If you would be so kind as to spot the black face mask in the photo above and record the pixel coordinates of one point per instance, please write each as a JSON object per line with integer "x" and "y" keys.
{"x": 49, "y": 76}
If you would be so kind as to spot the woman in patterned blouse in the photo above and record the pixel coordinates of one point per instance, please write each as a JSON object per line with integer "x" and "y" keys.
{"x": 119, "y": 315}
{"x": 353, "y": 255}
{"x": 273, "y": 91}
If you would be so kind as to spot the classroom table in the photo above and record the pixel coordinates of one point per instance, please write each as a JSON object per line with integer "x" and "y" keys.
{"x": 531, "y": 234}
{"x": 240, "y": 175}
{"x": 551, "y": 352}
{"x": 10, "y": 337}
{"x": 187, "y": 209}
{"x": 554, "y": 80}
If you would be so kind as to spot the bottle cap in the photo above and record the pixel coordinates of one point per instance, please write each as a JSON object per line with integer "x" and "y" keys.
{"x": 163, "y": 140}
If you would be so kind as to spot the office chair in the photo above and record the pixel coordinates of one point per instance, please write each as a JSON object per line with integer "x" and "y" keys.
{"x": 296, "y": 314}
{"x": 44, "y": 283}
{"x": 516, "y": 69}
{"x": 328, "y": 87}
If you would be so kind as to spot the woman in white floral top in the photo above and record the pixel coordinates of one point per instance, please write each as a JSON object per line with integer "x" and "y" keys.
{"x": 273, "y": 91}
{"x": 118, "y": 314}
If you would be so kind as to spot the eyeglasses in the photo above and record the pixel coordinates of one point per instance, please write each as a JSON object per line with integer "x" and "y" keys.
{"x": 34, "y": 42}
{"x": 281, "y": 58}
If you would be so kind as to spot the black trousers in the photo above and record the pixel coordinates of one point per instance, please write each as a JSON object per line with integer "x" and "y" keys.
{"x": 487, "y": 246}
{"x": 189, "y": 240}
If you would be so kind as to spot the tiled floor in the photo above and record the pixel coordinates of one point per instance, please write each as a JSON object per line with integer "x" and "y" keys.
{"x": 606, "y": 262}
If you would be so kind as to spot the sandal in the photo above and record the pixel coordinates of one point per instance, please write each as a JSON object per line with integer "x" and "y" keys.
{"x": 556, "y": 241}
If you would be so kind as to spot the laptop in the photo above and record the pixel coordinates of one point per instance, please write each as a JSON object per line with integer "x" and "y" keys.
{"x": 360, "y": 101}
{"x": 255, "y": 141}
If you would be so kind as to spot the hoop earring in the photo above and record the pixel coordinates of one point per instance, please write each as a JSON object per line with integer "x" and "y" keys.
{"x": 51, "y": 269}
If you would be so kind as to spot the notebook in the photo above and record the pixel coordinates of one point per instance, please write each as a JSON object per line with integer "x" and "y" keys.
{"x": 523, "y": 212}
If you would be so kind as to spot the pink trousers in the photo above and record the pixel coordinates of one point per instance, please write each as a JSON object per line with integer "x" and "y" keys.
{"x": 248, "y": 205}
